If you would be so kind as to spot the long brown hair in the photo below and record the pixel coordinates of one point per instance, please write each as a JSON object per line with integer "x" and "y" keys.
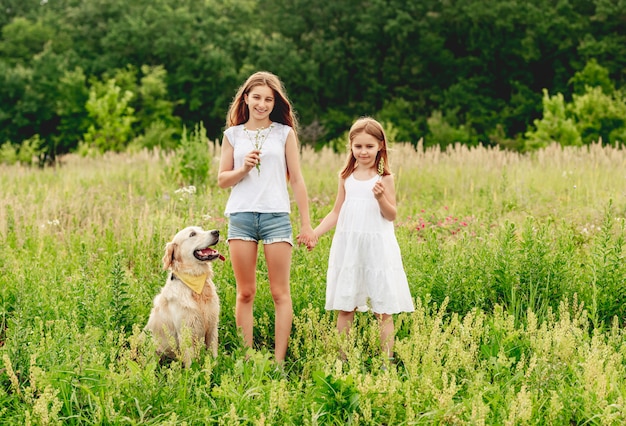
{"x": 238, "y": 112}
{"x": 373, "y": 128}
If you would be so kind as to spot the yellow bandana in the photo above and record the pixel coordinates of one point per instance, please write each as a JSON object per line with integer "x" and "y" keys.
{"x": 194, "y": 282}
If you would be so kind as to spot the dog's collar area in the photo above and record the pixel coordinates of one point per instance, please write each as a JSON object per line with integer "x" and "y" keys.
{"x": 194, "y": 282}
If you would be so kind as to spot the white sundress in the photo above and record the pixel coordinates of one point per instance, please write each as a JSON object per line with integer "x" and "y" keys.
{"x": 365, "y": 265}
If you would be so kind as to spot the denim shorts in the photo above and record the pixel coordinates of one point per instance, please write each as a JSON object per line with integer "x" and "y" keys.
{"x": 267, "y": 227}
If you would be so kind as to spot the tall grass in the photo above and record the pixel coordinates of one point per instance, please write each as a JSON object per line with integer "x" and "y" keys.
{"x": 516, "y": 263}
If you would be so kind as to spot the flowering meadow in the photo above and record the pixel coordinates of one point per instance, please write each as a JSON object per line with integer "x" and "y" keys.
{"x": 515, "y": 261}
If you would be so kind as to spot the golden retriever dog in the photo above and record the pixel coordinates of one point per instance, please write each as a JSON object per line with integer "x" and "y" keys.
{"x": 185, "y": 314}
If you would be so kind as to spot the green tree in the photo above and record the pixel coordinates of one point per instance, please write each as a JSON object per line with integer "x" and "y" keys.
{"x": 482, "y": 63}
{"x": 12, "y": 9}
{"x": 112, "y": 117}
{"x": 195, "y": 43}
{"x": 503, "y": 47}
{"x": 554, "y": 126}
{"x": 22, "y": 39}
{"x": 71, "y": 111}
{"x": 597, "y": 112}
{"x": 152, "y": 96}
{"x": 32, "y": 51}
{"x": 154, "y": 111}
{"x": 605, "y": 40}
{"x": 443, "y": 133}
{"x": 599, "y": 116}
{"x": 592, "y": 75}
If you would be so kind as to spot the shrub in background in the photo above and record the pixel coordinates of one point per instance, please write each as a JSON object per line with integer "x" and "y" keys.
{"x": 443, "y": 131}
{"x": 599, "y": 116}
{"x": 112, "y": 118}
{"x": 554, "y": 126}
{"x": 8, "y": 153}
{"x": 191, "y": 161}
{"x": 597, "y": 113}
{"x": 26, "y": 154}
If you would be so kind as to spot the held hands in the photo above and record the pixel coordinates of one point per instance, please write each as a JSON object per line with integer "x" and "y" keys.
{"x": 308, "y": 238}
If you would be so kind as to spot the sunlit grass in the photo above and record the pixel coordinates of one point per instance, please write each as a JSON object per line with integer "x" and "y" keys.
{"x": 516, "y": 263}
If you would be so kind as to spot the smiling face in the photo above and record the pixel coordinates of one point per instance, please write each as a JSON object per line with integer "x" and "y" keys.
{"x": 365, "y": 148}
{"x": 260, "y": 101}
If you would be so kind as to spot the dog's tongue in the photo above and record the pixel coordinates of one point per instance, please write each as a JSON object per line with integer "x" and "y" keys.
{"x": 210, "y": 252}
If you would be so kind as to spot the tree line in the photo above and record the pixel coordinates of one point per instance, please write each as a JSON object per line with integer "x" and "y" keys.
{"x": 85, "y": 75}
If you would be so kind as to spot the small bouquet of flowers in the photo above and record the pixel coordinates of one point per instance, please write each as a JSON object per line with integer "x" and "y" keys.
{"x": 259, "y": 140}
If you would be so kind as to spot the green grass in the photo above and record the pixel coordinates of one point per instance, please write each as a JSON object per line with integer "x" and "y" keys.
{"x": 516, "y": 264}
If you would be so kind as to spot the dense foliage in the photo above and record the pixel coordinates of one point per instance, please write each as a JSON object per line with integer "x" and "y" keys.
{"x": 109, "y": 73}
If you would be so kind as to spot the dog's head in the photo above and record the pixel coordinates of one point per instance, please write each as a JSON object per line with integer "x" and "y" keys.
{"x": 190, "y": 248}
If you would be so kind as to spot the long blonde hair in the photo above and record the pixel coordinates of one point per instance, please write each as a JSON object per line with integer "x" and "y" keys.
{"x": 238, "y": 112}
{"x": 371, "y": 127}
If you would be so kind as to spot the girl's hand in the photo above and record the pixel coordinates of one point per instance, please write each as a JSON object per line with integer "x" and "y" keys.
{"x": 378, "y": 190}
{"x": 252, "y": 159}
{"x": 309, "y": 239}
{"x": 384, "y": 193}
{"x": 311, "y": 244}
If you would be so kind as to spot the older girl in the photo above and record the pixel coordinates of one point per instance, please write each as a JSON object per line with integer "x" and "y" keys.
{"x": 259, "y": 153}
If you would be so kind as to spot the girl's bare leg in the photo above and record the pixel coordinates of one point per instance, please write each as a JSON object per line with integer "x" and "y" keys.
{"x": 344, "y": 324}
{"x": 387, "y": 334}
{"x": 278, "y": 258}
{"x": 243, "y": 256}
{"x": 344, "y": 321}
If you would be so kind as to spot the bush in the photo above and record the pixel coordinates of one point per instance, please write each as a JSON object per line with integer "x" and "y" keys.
{"x": 192, "y": 159}
{"x": 598, "y": 116}
{"x": 112, "y": 117}
{"x": 443, "y": 133}
{"x": 554, "y": 126}
{"x": 596, "y": 113}
{"x": 8, "y": 153}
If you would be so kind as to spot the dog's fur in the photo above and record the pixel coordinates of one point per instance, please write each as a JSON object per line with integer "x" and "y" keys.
{"x": 177, "y": 308}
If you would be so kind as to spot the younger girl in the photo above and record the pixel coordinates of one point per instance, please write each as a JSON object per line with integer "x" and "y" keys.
{"x": 364, "y": 266}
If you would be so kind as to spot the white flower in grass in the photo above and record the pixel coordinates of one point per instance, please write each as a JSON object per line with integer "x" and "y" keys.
{"x": 185, "y": 191}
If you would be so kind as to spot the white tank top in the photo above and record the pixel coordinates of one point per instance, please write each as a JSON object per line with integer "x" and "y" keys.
{"x": 263, "y": 190}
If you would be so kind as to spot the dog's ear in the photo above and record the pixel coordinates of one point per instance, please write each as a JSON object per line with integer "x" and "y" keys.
{"x": 168, "y": 258}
